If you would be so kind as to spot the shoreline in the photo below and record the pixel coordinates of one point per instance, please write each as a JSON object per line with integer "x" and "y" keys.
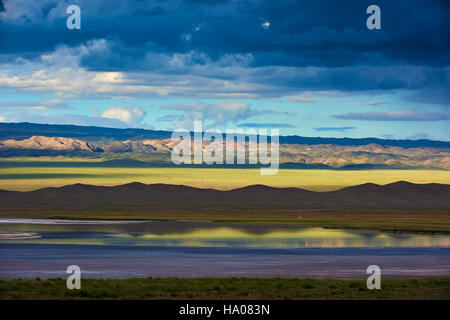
{"x": 333, "y": 221}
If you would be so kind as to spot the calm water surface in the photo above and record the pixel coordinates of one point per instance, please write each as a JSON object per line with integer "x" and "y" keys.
{"x": 39, "y": 247}
{"x": 203, "y": 234}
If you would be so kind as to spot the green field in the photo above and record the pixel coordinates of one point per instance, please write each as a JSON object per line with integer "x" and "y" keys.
{"x": 225, "y": 288}
{"x": 31, "y": 178}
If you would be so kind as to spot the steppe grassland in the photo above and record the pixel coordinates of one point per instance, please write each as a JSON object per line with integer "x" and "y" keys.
{"x": 32, "y": 178}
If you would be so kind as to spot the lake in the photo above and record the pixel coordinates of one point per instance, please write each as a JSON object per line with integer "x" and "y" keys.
{"x": 44, "y": 248}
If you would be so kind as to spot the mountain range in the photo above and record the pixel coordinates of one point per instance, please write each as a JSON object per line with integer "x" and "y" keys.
{"x": 25, "y": 130}
{"x": 153, "y": 147}
{"x": 154, "y": 197}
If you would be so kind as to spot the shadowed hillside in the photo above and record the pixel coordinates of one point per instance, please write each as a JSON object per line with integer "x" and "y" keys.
{"x": 137, "y": 196}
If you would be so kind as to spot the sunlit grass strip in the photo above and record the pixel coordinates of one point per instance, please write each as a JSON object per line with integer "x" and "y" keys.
{"x": 27, "y": 178}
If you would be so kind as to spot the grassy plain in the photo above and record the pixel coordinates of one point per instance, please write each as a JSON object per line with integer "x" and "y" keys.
{"x": 31, "y": 178}
{"x": 225, "y": 288}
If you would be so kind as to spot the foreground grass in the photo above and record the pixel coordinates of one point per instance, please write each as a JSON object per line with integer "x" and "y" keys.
{"x": 26, "y": 178}
{"x": 225, "y": 288}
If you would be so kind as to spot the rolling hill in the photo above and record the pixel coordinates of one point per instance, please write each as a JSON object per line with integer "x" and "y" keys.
{"x": 154, "y": 197}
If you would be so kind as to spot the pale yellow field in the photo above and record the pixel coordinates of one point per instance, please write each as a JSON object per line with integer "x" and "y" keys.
{"x": 24, "y": 179}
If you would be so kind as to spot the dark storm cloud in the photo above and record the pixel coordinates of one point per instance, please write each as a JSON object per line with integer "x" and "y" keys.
{"x": 306, "y": 45}
{"x": 301, "y": 33}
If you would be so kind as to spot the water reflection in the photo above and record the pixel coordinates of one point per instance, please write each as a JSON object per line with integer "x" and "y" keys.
{"x": 299, "y": 238}
{"x": 204, "y": 234}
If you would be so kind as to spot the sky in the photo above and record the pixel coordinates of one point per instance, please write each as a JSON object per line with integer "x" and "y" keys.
{"x": 306, "y": 67}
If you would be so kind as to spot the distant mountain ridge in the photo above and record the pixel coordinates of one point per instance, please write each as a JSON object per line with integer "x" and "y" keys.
{"x": 49, "y": 143}
{"x": 25, "y": 130}
{"x": 143, "y": 148}
{"x": 154, "y": 197}
{"x": 154, "y": 152}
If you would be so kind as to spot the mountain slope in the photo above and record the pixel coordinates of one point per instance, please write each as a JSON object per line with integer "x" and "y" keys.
{"x": 155, "y": 147}
{"x": 291, "y": 155}
{"x": 48, "y": 143}
{"x": 138, "y": 196}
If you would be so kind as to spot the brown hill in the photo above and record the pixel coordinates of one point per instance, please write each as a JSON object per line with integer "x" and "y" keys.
{"x": 138, "y": 196}
{"x": 48, "y": 143}
{"x": 144, "y": 146}
{"x": 159, "y": 150}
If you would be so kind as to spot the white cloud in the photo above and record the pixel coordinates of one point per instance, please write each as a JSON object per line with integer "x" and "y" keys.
{"x": 367, "y": 103}
{"x": 218, "y": 113}
{"x": 304, "y": 97}
{"x": 55, "y": 103}
{"x": 21, "y": 11}
{"x": 186, "y": 36}
{"x": 129, "y": 115}
{"x": 403, "y": 115}
{"x": 60, "y": 74}
{"x": 73, "y": 119}
{"x": 265, "y": 25}
{"x": 373, "y": 103}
